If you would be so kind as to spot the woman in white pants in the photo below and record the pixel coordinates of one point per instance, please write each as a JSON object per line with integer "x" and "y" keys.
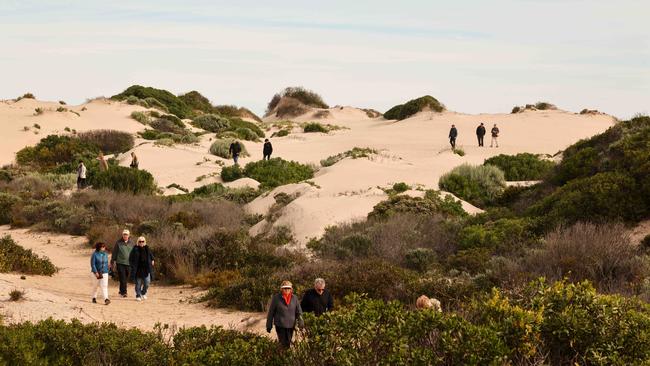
{"x": 99, "y": 268}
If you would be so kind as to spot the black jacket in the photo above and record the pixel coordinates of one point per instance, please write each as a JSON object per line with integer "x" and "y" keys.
{"x": 495, "y": 132}
{"x": 235, "y": 148}
{"x": 453, "y": 133}
{"x": 268, "y": 148}
{"x": 480, "y": 131}
{"x": 312, "y": 302}
{"x": 135, "y": 262}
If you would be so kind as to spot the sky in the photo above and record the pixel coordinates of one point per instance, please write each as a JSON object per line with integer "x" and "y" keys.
{"x": 474, "y": 56}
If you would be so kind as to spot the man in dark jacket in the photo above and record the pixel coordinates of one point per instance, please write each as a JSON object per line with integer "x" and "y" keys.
{"x": 317, "y": 300}
{"x": 480, "y": 132}
{"x": 141, "y": 260}
{"x": 453, "y": 133}
{"x": 235, "y": 150}
{"x": 495, "y": 135}
{"x": 284, "y": 312}
{"x": 268, "y": 149}
{"x": 120, "y": 259}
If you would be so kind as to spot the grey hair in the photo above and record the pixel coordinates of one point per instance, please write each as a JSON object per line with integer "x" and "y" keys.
{"x": 319, "y": 281}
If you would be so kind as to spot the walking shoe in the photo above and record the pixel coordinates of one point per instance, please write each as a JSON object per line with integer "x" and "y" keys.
{"x": 107, "y": 301}
{"x": 123, "y": 295}
{"x": 144, "y": 297}
{"x": 94, "y": 300}
{"x": 138, "y": 298}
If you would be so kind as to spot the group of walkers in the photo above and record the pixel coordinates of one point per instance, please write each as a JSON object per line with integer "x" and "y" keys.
{"x": 480, "y": 134}
{"x": 130, "y": 261}
{"x": 235, "y": 149}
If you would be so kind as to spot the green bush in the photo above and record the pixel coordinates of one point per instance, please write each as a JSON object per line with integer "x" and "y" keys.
{"x": 171, "y": 102}
{"x": 479, "y": 185}
{"x": 237, "y": 123}
{"x": 166, "y": 125}
{"x": 140, "y": 117}
{"x": 544, "y": 106}
{"x": 276, "y": 172}
{"x": 355, "y": 153}
{"x": 406, "y": 110}
{"x": 400, "y": 187}
{"x": 431, "y": 204}
{"x": 314, "y": 127}
{"x": 197, "y": 102}
{"x": 231, "y": 173}
{"x": 185, "y": 138}
{"x": 7, "y": 202}
{"x": 108, "y": 141}
{"x": 246, "y": 134}
{"x": 61, "y": 153}
{"x": 123, "y": 179}
{"x": 524, "y": 166}
{"x": 221, "y": 148}
{"x": 240, "y": 195}
{"x": 281, "y": 133}
{"x": 211, "y": 122}
{"x": 420, "y": 259}
{"x": 14, "y": 258}
{"x": 304, "y": 96}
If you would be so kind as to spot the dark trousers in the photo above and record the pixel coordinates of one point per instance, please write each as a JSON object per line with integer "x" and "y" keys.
{"x": 452, "y": 141}
{"x": 123, "y": 275}
{"x": 81, "y": 183}
{"x": 480, "y": 140}
{"x": 267, "y": 157}
{"x": 284, "y": 336}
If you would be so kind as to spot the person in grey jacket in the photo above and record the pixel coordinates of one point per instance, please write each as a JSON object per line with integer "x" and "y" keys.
{"x": 285, "y": 312}
{"x": 120, "y": 259}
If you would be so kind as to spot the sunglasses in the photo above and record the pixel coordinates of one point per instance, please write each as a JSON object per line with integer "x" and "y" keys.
{"x": 140, "y": 242}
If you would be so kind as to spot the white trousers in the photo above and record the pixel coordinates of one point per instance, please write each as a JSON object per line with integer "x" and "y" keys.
{"x": 100, "y": 283}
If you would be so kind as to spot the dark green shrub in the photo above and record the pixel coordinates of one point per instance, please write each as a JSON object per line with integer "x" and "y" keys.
{"x": 165, "y": 125}
{"x": 520, "y": 167}
{"x": 237, "y": 123}
{"x": 276, "y": 172}
{"x": 403, "y": 111}
{"x": 60, "y": 153}
{"x": 246, "y": 134}
{"x": 420, "y": 259}
{"x": 140, "y": 117}
{"x": 355, "y": 153}
{"x": 314, "y": 127}
{"x": 304, "y": 96}
{"x": 7, "y": 202}
{"x": 479, "y": 185}
{"x": 542, "y": 106}
{"x": 281, "y": 133}
{"x": 240, "y": 195}
{"x": 27, "y": 96}
{"x": 501, "y": 235}
{"x": 14, "y": 258}
{"x": 429, "y": 205}
{"x": 221, "y": 148}
{"x": 401, "y": 187}
{"x": 196, "y": 101}
{"x": 123, "y": 179}
{"x": 211, "y": 122}
{"x": 171, "y": 102}
{"x": 231, "y": 173}
{"x": 16, "y": 295}
{"x": 108, "y": 141}
{"x": 175, "y": 120}
{"x": 516, "y": 109}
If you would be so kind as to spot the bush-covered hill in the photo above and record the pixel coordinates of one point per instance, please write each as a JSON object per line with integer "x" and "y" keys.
{"x": 174, "y": 104}
{"x": 293, "y": 101}
{"x": 406, "y": 110}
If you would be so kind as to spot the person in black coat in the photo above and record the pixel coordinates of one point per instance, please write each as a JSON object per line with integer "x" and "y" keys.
{"x": 234, "y": 150}
{"x": 480, "y": 132}
{"x": 317, "y": 300}
{"x": 141, "y": 260}
{"x": 453, "y": 133}
{"x": 268, "y": 150}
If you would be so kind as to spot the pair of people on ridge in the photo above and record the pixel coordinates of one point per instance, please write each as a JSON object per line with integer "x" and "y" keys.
{"x": 235, "y": 149}
{"x": 480, "y": 133}
{"x": 285, "y": 312}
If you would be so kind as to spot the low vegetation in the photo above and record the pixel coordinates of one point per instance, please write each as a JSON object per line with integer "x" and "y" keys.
{"x": 270, "y": 173}
{"x": 355, "y": 153}
{"x": 221, "y": 148}
{"x": 108, "y": 141}
{"x": 14, "y": 258}
{"x": 123, "y": 179}
{"x": 541, "y": 106}
{"x": 155, "y": 98}
{"x": 299, "y": 94}
{"x": 479, "y": 185}
{"x": 520, "y": 167}
{"x": 406, "y": 110}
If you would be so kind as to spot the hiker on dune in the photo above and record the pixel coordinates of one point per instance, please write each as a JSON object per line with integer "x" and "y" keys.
{"x": 142, "y": 263}
{"x": 284, "y": 312}
{"x": 99, "y": 268}
{"x": 120, "y": 259}
{"x": 453, "y": 133}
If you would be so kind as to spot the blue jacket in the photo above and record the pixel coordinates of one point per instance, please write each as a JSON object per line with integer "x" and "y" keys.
{"x": 99, "y": 262}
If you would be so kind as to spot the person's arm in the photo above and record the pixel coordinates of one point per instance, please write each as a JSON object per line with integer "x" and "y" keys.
{"x": 93, "y": 267}
{"x": 269, "y": 316}
{"x": 299, "y": 319}
{"x": 114, "y": 254}
{"x": 305, "y": 302}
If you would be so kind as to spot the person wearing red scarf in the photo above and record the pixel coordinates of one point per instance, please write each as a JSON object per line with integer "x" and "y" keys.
{"x": 285, "y": 312}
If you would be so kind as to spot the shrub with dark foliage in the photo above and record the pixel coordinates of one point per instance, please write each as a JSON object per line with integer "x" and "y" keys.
{"x": 123, "y": 179}
{"x": 108, "y": 141}
{"x": 524, "y": 166}
{"x": 406, "y": 110}
{"x": 175, "y": 104}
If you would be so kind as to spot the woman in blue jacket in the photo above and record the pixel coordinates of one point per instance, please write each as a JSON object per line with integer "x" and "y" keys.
{"x": 99, "y": 268}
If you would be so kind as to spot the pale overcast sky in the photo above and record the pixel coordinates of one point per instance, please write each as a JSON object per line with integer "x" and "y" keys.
{"x": 474, "y": 56}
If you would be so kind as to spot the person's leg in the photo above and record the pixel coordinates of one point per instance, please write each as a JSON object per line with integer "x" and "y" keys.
{"x": 283, "y": 337}
{"x": 145, "y": 285}
{"x": 496, "y": 141}
{"x": 96, "y": 284}
{"x": 235, "y": 157}
{"x": 139, "y": 281}
{"x": 78, "y": 183}
{"x": 122, "y": 272}
{"x": 289, "y": 336}
{"x": 103, "y": 283}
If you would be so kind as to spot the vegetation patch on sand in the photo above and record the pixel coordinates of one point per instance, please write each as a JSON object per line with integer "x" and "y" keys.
{"x": 479, "y": 185}
{"x": 270, "y": 173}
{"x": 520, "y": 167}
{"x": 355, "y": 153}
{"x": 14, "y": 258}
{"x": 406, "y": 110}
{"x": 294, "y": 101}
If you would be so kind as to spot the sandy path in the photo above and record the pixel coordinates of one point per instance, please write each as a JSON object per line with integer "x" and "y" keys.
{"x": 66, "y": 295}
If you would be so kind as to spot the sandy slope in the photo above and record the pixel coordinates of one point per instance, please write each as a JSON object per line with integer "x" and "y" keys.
{"x": 66, "y": 295}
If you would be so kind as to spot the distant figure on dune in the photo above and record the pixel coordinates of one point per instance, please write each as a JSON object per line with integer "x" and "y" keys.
{"x": 142, "y": 262}
{"x": 424, "y": 302}
{"x": 99, "y": 268}
{"x": 81, "y": 175}
{"x": 235, "y": 150}
{"x": 268, "y": 150}
{"x": 103, "y": 165}
{"x": 495, "y": 134}
{"x": 120, "y": 259}
{"x": 453, "y": 133}
{"x": 317, "y": 300}
{"x": 134, "y": 160}
{"x": 480, "y": 132}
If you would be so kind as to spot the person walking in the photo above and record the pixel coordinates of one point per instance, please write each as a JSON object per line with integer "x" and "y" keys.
{"x": 284, "y": 312}
{"x": 495, "y": 135}
{"x": 81, "y": 175}
{"x": 141, "y": 260}
{"x": 235, "y": 150}
{"x": 103, "y": 165}
{"x": 480, "y": 133}
{"x": 317, "y": 300}
{"x": 453, "y": 133}
{"x": 120, "y": 259}
{"x": 268, "y": 150}
{"x": 99, "y": 268}
{"x": 134, "y": 161}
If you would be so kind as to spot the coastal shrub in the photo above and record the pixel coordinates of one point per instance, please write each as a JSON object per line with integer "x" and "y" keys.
{"x": 164, "y": 142}
{"x": 516, "y": 109}
{"x": 162, "y": 97}
{"x": 400, "y": 187}
{"x": 420, "y": 259}
{"x": 246, "y": 134}
{"x": 430, "y": 204}
{"x": 196, "y": 101}
{"x": 281, "y": 133}
{"x": 221, "y": 147}
{"x": 175, "y": 120}
{"x": 140, "y": 117}
{"x": 276, "y": 172}
{"x": 290, "y": 107}
{"x": 61, "y": 153}
{"x": 524, "y": 166}
{"x": 123, "y": 179}
{"x": 27, "y": 96}
{"x": 211, "y": 122}
{"x": 14, "y": 258}
{"x": 505, "y": 235}
{"x": 314, "y": 127}
{"x": 458, "y": 151}
{"x": 185, "y": 138}
{"x": 237, "y": 123}
{"x": 239, "y": 195}
{"x": 304, "y": 96}
{"x": 7, "y": 202}
{"x": 231, "y": 173}
{"x": 16, "y": 295}
{"x": 355, "y": 153}
{"x": 479, "y": 185}
{"x": 166, "y": 125}
{"x": 542, "y": 106}
{"x": 108, "y": 141}
{"x": 406, "y": 110}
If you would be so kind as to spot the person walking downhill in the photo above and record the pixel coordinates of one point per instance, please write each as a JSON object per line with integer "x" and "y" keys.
{"x": 480, "y": 133}
{"x": 285, "y": 312}
{"x": 453, "y": 133}
{"x": 103, "y": 165}
{"x": 142, "y": 262}
{"x": 134, "y": 161}
{"x": 495, "y": 135}
{"x": 99, "y": 268}
{"x": 234, "y": 151}
{"x": 81, "y": 175}
{"x": 120, "y": 259}
{"x": 268, "y": 150}
{"x": 317, "y": 300}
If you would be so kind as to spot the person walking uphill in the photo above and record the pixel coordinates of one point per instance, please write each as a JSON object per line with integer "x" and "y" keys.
{"x": 453, "y": 133}
{"x": 268, "y": 150}
{"x": 495, "y": 135}
{"x": 317, "y": 300}
{"x": 120, "y": 259}
{"x": 285, "y": 312}
{"x": 99, "y": 268}
{"x": 81, "y": 175}
{"x": 480, "y": 133}
{"x": 134, "y": 161}
{"x": 142, "y": 262}
{"x": 234, "y": 150}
